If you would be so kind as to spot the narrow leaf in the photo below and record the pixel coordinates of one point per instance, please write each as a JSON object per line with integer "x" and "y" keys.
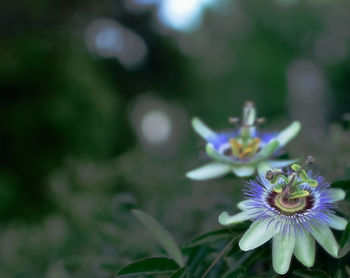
{"x": 310, "y": 273}
{"x": 163, "y": 236}
{"x": 148, "y": 266}
{"x": 219, "y": 257}
{"x": 179, "y": 274}
{"x": 211, "y": 237}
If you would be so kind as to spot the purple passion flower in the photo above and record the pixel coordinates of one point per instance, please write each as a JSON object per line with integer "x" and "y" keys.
{"x": 293, "y": 209}
{"x": 241, "y": 150}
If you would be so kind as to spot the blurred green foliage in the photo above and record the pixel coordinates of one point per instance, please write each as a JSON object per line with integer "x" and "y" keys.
{"x": 71, "y": 164}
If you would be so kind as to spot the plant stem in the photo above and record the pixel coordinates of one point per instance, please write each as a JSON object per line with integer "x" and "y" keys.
{"x": 221, "y": 254}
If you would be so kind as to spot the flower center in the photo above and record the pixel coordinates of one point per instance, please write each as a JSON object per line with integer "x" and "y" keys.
{"x": 289, "y": 206}
{"x": 243, "y": 149}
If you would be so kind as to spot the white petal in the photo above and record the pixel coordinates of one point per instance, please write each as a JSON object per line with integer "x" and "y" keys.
{"x": 337, "y": 222}
{"x": 226, "y": 219}
{"x": 288, "y": 133}
{"x": 305, "y": 248}
{"x": 263, "y": 167}
{"x": 337, "y": 194}
{"x": 243, "y": 205}
{"x": 257, "y": 234}
{"x": 281, "y": 163}
{"x": 202, "y": 129}
{"x": 267, "y": 150}
{"x": 325, "y": 238}
{"x": 243, "y": 171}
{"x": 282, "y": 250}
{"x": 209, "y": 171}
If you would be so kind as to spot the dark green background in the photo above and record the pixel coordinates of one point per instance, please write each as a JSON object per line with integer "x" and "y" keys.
{"x": 72, "y": 165}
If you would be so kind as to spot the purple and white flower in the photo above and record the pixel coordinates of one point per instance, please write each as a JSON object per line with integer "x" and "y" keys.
{"x": 293, "y": 209}
{"x": 241, "y": 150}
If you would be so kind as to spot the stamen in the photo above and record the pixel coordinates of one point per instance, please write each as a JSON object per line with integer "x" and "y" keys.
{"x": 238, "y": 150}
{"x": 290, "y": 185}
{"x": 310, "y": 160}
{"x": 236, "y": 147}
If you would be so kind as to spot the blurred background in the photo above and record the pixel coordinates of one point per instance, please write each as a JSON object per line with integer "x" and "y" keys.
{"x": 96, "y": 102}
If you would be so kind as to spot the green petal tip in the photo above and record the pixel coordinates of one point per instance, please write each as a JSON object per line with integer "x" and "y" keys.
{"x": 202, "y": 129}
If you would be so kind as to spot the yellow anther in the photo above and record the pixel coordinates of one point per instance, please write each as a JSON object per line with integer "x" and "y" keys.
{"x": 249, "y": 150}
{"x": 236, "y": 147}
{"x": 246, "y": 152}
{"x": 254, "y": 143}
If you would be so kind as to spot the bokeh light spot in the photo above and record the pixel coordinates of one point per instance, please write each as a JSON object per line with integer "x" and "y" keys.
{"x": 156, "y": 126}
{"x": 109, "y": 39}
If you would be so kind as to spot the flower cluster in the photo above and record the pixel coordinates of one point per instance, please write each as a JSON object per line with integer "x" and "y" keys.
{"x": 291, "y": 206}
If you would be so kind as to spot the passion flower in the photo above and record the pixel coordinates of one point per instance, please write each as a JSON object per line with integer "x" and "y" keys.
{"x": 294, "y": 209}
{"x": 242, "y": 149}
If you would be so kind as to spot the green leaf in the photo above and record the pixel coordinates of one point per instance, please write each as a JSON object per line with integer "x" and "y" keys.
{"x": 310, "y": 273}
{"x": 196, "y": 258}
{"x": 344, "y": 247}
{"x": 222, "y": 254}
{"x": 148, "y": 266}
{"x": 179, "y": 274}
{"x": 240, "y": 272}
{"x": 163, "y": 236}
{"x": 209, "y": 237}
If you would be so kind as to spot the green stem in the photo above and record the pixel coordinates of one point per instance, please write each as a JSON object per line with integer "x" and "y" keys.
{"x": 221, "y": 254}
